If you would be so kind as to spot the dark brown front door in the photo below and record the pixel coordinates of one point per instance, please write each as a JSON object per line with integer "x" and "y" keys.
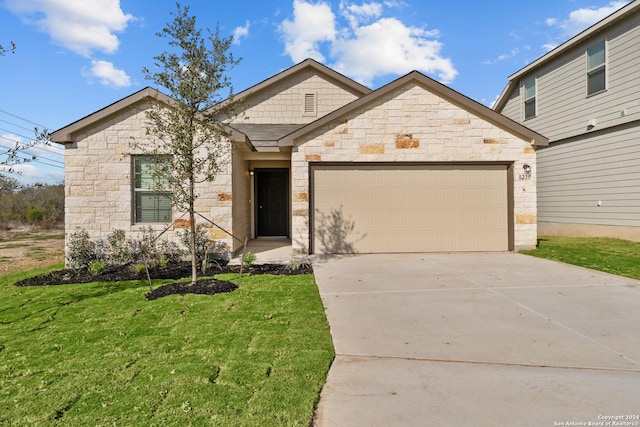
{"x": 272, "y": 209}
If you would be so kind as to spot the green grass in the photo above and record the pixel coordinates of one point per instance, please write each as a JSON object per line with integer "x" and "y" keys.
{"x": 32, "y": 235}
{"x": 100, "y": 354}
{"x": 621, "y": 257}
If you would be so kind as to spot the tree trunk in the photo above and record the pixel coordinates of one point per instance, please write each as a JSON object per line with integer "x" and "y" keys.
{"x": 192, "y": 240}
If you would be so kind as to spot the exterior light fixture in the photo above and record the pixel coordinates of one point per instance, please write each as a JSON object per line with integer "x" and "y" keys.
{"x": 250, "y": 171}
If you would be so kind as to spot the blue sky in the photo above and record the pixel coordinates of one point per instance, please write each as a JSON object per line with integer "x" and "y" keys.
{"x": 74, "y": 57}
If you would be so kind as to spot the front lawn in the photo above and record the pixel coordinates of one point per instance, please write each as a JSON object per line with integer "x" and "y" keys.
{"x": 621, "y": 257}
{"x": 100, "y": 354}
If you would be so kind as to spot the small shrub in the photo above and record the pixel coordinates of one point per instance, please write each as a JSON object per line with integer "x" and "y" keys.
{"x": 248, "y": 259}
{"x": 163, "y": 262}
{"x": 118, "y": 252}
{"x": 144, "y": 248}
{"x": 296, "y": 265}
{"x": 100, "y": 250}
{"x": 202, "y": 242}
{"x": 81, "y": 251}
{"x": 169, "y": 251}
{"x": 138, "y": 268}
{"x": 97, "y": 267}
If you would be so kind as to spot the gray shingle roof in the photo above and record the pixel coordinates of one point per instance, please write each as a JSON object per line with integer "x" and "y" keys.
{"x": 265, "y": 135}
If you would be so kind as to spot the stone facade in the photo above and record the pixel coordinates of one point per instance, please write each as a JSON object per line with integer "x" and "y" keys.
{"x": 412, "y": 124}
{"x": 283, "y": 102}
{"x": 99, "y": 188}
{"x": 408, "y": 121}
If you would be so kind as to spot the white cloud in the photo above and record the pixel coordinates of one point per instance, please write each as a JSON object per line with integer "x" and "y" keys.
{"x": 78, "y": 25}
{"x": 549, "y": 46}
{"x": 311, "y": 25}
{"x": 389, "y": 47}
{"x": 363, "y": 13}
{"x": 512, "y": 53}
{"x": 107, "y": 74}
{"x": 241, "y": 32}
{"x": 581, "y": 19}
{"x": 368, "y": 45}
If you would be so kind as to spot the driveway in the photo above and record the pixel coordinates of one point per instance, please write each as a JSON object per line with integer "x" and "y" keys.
{"x": 480, "y": 339}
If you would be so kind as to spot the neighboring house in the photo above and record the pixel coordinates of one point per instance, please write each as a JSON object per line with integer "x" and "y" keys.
{"x": 328, "y": 163}
{"x": 585, "y": 97}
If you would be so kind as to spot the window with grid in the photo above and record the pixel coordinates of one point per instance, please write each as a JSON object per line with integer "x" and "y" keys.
{"x": 596, "y": 68}
{"x": 529, "y": 98}
{"x": 150, "y": 205}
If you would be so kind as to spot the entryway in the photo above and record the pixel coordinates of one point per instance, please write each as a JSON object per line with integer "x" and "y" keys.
{"x": 268, "y": 250}
{"x": 272, "y": 202}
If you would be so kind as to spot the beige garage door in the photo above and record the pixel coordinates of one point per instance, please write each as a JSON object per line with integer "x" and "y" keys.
{"x": 383, "y": 209}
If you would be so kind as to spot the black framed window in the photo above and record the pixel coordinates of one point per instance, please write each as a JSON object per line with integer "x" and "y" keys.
{"x": 150, "y": 205}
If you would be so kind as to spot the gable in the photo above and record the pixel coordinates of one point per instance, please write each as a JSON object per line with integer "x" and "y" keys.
{"x": 298, "y": 99}
{"x": 563, "y": 105}
{"x": 429, "y": 106}
{"x": 612, "y": 24}
{"x": 96, "y": 121}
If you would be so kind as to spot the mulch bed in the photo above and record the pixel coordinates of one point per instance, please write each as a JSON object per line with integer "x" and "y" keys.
{"x": 202, "y": 287}
{"x": 176, "y": 271}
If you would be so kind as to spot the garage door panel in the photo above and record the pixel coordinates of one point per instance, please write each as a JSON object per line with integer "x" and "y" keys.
{"x": 410, "y": 209}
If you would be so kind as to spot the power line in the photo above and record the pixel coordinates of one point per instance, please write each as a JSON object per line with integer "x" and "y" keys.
{"x": 34, "y": 158}
{"x": 16, "y": 125}
{"x": 54, "y": 145}
{"x": 37, "y": 160}
{"x": 26, "y": 150}
{"x": 23, "y": 119}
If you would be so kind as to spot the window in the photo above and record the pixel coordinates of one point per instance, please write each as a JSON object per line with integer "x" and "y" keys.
{"x": 529, "y": 98}
{"x": 150, "y": 205}
{"x": 596, "y": 66}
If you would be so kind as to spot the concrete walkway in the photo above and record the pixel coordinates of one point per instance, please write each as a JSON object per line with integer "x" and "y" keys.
{"x": 274, "y": 250}
{"x": 497, "y": 339}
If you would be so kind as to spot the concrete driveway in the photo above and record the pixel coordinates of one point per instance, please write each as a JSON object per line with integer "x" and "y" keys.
{"x": 497, "y": 339}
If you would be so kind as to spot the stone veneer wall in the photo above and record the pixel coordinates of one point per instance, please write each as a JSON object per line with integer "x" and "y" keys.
{"x": 414, "y": 125}
{"x": 284, "y": 102}
{"x": 98, "y": 183}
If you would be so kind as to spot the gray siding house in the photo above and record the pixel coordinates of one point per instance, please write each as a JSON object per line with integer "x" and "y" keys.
{"x": 585, "y": 97}
{"x": 327, "y": 163}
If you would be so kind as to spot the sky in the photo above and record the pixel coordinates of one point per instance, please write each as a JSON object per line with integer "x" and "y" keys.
{"x": 74, "y": 57}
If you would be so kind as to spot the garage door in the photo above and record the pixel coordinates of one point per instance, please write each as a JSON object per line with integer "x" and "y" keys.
{"x": 383, "y": 209}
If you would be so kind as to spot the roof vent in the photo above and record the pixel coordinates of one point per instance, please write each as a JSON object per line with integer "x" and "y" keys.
{"x": 310, "y": 104}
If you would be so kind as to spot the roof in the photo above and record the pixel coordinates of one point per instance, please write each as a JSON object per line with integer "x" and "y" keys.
{"x": 432, "y": 86}
{"x": 306, "y": 64}
{"x": 65, "y": 134}
{"x": 590, "y": 32}
{"x": 265, "y": 136}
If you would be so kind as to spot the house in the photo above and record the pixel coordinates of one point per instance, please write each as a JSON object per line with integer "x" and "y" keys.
{"x": 585, "y": 97}
{"x": 328, "y": 163}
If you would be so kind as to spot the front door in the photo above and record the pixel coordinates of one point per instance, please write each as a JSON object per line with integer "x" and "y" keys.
{"x": 272, "y": 208}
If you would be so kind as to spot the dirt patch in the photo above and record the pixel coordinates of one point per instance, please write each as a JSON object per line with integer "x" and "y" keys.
{"x": 21, "y": 249}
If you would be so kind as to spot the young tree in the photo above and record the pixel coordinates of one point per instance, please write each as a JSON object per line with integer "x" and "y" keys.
{"x": 11, "y": 156}
{"x": 189, "y": 139}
